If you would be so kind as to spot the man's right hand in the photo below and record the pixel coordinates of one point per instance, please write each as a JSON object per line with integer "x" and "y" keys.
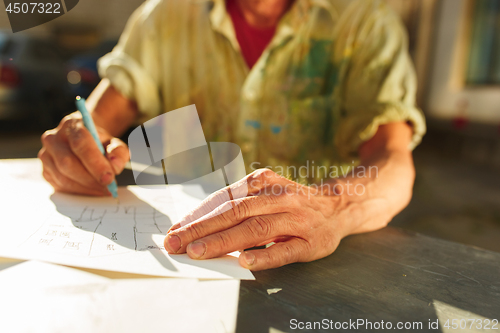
{"x": 73, "y": 163}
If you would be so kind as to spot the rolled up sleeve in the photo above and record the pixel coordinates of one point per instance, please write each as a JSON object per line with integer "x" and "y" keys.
{"x": 379, "y": 85}
{"x": 133, "y": 67}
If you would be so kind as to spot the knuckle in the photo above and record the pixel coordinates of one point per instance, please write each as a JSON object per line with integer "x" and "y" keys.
{"x": 48, "y": 137}
{"x": 288, "y": 253}
{"x": 260, "y": 177}
{"x": 67, "y": 124}
{"x": 260, "y": 227}
{"x": 308, "y": 247}
{"x": 41, "y": 154}
{"x": 240, "y": 189}
{"x": 225, "y": 219}
{"x": 239, "y": 209}
{"x": 65, "y": 163}
{"x": 223, "y": 240}
{"x": 273, "y": 199}
{"x": 266, "y": 258}
{"x": 225, "y": 212}
{"x": 195, "y": 231}
{"x": 300, "y": 215}
{"x": 263, "y": 172}
{"x": 295, "y": 202}
{"x": 329, "y": 239}
{"x": 68, "y": 121}
{"x": 268, "y": 176}
{"x": 76, "y": 138}
{"x": 291, "y": 226}
{"x": 267, "y": 173}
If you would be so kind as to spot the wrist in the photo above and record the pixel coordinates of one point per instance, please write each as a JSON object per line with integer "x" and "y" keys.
{"x": 355, "y": 210}
{"x": 341, "y": 208}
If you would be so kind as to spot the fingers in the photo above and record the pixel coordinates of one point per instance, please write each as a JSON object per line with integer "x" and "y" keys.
{"x": 213, "y": 201}
{"x": 73, "y": 162}
{"x": 64, "y": 184}
{"x": 64, "y": 161}
{"x": 85, "y": 149}
{"x": 118, "y": 154}
{"x": 277, "y": 255}
{"x": 252, "y": 232}
{"x": 248, "y": 186}
{"x": 225, "y": 216}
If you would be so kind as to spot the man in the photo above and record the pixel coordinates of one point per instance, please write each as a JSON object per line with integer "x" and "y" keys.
{"x": 295, "y": 83}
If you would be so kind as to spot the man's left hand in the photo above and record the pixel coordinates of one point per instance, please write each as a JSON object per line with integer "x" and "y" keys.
{"x": 302, "y": 222}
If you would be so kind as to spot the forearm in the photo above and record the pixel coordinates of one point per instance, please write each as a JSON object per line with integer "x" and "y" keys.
{"x": 374, "y": 199}
{"x": 111, "y": 110}
{"x": 381, "y": 186}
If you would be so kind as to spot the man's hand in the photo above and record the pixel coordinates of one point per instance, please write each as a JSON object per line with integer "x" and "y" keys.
{"x": 73, "y": 163}
{"x": 299, "y": 219}
{"x": 305, "y": 222}
{"x": 71, "y": 160}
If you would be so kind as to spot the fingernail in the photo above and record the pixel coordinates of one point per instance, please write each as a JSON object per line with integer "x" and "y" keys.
{"x": 106, "y": 178}
{"x": 197, "y": 249}
{"x": 249, "y": 258}
{"x": 173, "y": 243}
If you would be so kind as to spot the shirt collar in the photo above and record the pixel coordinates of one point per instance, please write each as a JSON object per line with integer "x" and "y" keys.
{"x": 221, "y": 22}
{"x": 287, "y": 27}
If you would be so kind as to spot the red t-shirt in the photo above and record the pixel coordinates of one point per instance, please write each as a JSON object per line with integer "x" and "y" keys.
{"x": 252, "y": 41}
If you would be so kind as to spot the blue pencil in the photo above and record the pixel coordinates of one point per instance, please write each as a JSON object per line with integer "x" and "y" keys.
{"x": 89, "y": 124}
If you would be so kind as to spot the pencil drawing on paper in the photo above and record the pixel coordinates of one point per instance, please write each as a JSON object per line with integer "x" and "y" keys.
{"x": 103, "y": 234}
{"x": 91, "y": 231}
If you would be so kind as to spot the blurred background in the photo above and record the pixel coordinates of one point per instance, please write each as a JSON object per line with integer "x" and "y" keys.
{"x": 455, "y": 45}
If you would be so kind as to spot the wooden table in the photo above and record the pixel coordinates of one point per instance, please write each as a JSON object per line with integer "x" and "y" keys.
{"x": 391, "y": 275}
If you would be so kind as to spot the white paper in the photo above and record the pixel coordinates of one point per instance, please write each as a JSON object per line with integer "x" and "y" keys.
{"x": 41, "y": 297}
{"x": 99, "y": 233}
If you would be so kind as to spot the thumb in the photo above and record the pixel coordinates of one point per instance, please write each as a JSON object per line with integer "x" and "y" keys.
{"x": 117, "y": 154}
{"x": 279, "y": 254}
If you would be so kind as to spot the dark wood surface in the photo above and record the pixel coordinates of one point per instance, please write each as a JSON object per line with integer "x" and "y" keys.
{"x": 391, "y": 275}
